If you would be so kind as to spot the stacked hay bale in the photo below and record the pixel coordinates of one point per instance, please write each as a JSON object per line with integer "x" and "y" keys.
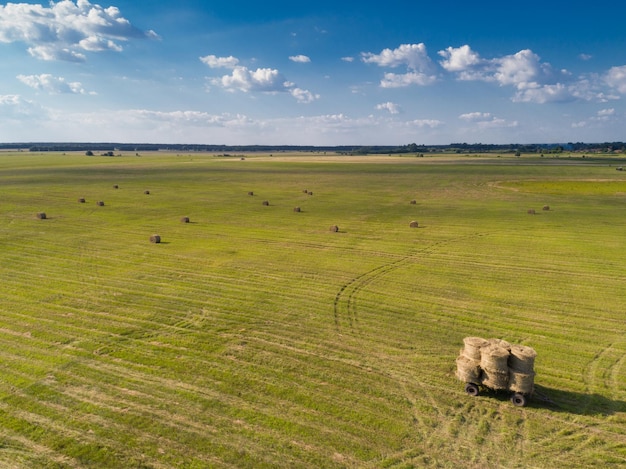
{"x": 521, "y": 369}
{"x": 468, "y": 362}
{"x": 497, "y": 364}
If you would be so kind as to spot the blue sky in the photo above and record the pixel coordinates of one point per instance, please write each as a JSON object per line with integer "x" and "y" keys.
{"x": 312, "y": 73}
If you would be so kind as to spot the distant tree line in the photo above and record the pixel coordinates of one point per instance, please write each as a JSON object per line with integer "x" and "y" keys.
{"x": 104, "y": 148}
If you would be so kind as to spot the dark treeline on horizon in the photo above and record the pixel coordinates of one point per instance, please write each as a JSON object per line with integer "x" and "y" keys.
{"x": 342, "y": 149}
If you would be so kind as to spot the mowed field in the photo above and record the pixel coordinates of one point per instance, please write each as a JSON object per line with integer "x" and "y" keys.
{"x": 255, "y": 337}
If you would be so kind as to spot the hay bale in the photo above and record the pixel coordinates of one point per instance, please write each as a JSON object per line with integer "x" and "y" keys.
{"x": 115, "y": 186}
{"x": 468, "y": 370}
{"x": 310, "y": 193}
{"x": 297, "y": 209}
{"x": 146, "y": 192}
{"x": 100, "y": 203}
{"x": 546, "y": 207}
{"x": 473, "y": 346}
{"x": 531, "y": 211}
{"x": 522, "y": 359}
{"x": 266, "y": 202}
{"x": 500, "y": 343}
{"x": 334, "y": 228}
{"x": 41, "y": 216}
{"x": 495, "y": 379}
{"x": 81, "y": 200}
{"x": 414, "y": 224}
{"x": 494, "y": 358}
{"x": 156, "y": 239}
{"x": 413, "y": 202}
{"x": 184, "y": 220}
{"x": 250, "y": 193}
{"x": 521, "y": 382}
{"x": 305, "y": 191}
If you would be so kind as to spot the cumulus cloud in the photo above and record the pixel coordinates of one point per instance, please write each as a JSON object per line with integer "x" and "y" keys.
{"x": 475, "y": 116}
{"x": 65, "y": 30}
{"x": 616, "y": 78}
{"x": 533, "y": 80}
{"x": 412, "y": 56}
{"x": 220, "y": 62}
{"x": 51, "y": 84}
{"x": 393, "y": 108}
{"x": 303, "y": 59}
{"x": 261, "y": 80}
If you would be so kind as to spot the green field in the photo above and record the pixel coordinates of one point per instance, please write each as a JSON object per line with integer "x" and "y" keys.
{"x": 255, "y": 337}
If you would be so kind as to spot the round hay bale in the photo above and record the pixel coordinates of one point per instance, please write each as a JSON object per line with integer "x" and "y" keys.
{"x": 250, "y": 193}
{"x": 310, "y": 193}
{"x": 522, "y": 359}
{"x": 115, "y": 186}
{"x": 521, "y": 382}
{"x": 184, "y": 220}
{"x": 468, "y": 370}
{"x": 297, "y": 209}
{"x": 81, "y": 200}
{"x": 494, "y": 358}
{"x": 473, "y": 346}
{"x": 413, "y": 202}
{"x": 495, "y": 379}
{"x": 146, "y": 192}
{"x": 531, "y": 211}
{"x": 266, "y": 203}
{"x": 334, "y": 228}
{"x": 156, "y": 239}
{"x": 305, "y": 191}
{"x": 41, "y": 216}
{"x": 546, "y": 207}
{"x": 414, "y": 224}
{"x": 501, "y": 343}
{"x": 100, "y": 203}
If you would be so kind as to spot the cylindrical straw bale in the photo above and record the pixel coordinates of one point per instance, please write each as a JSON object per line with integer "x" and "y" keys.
{"x": 495, "y": 379}
{"x": 334, "y": 228}
{"x": 41, "y": 215}
{"x": 414, "y": 224}
{"x": 266, "y": 202}
{"x": 522, "y": 358}
{"x": 184, "y": 220}
{"x": 81, "y": 200}
{"x": 468, "y": 370}
{"x": 473, "y": 346}
{"x": 501, "y": 343}
{"x": 494, "y": 358}
{"x": 521, "y": 382}
{"x": 155, "y": 239}
{"x": 297, "y": 209}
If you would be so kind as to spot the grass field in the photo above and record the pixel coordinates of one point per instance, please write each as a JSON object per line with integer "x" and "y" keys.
{"x": 255, "y": 337}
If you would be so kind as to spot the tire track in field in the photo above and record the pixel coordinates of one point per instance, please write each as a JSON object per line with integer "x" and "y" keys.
{"x": 345, "y": 303}
{"x": 596, "y": 375}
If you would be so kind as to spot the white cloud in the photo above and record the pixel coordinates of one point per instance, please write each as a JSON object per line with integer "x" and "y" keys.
{"x": 348, "y": 59}
{"x": 261, "y": 80}
{"x": 460, "y": 59}
{"x": 475, "y": 116}
{"x": 303, "y": 96}
{"x": 220, "y": 62}
{"x": 393, "y": 108}
{"x": 606, "y": 112}
{"x": 616, "y": 78}
{"x": 15, "y": 108}
{"x": 51, "y": 84}
{"x": 585, "y": 57}
{"x": 421, "y": 123}
{"x": 393, "y": 80}
{"x": 66, "y": 29}
{"x": 303, "y": 59}
{"x": 414, "y": 56}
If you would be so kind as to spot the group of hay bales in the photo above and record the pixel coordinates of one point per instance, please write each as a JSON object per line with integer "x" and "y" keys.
{"x": 532, "y": 211}
{"x": 497, "y": 364}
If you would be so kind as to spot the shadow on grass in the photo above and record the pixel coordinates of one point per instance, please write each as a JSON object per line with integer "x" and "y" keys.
{"x": 571, "y": 402}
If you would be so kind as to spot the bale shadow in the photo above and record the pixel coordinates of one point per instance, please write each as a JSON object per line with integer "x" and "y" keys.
{"x": 558, "y": 400}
